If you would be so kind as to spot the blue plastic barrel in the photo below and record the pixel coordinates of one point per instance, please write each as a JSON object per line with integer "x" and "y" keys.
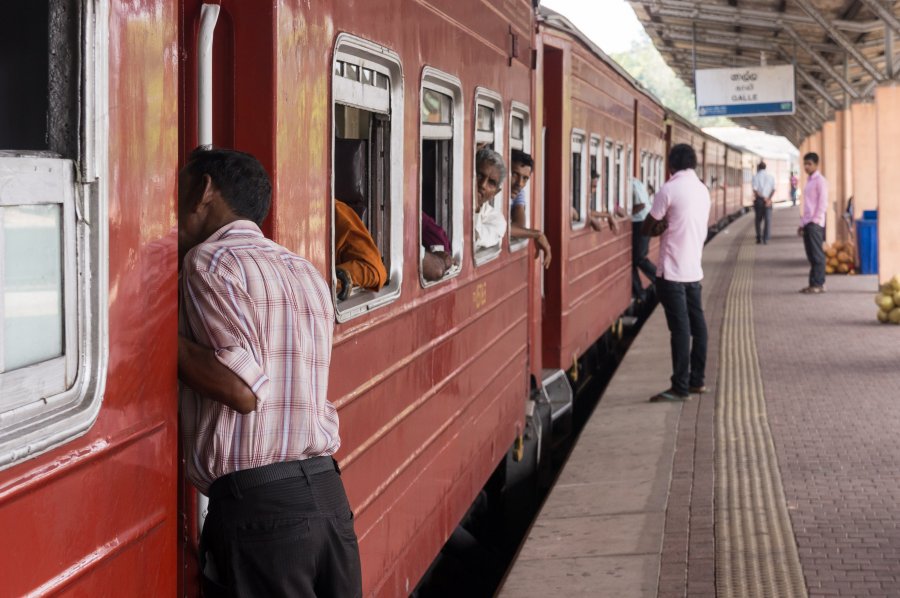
{"x": 867, "y": 242}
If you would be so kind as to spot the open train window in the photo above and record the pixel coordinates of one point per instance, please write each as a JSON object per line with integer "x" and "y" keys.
{"x": 367, "y": 92}
{"x": 488, "y": 135}
{"x": 609, "y": 176}
{"x": 596, "y": 191}
{"x": 441, "y": 219}
{"x": 620, "y": 176}
{"x": 577, "y": 186}
{"x": 629, "y": 173}
{"x": 53, "y": 239}
{"x": 661, "y": 174}
{"x": 520, "y": 140}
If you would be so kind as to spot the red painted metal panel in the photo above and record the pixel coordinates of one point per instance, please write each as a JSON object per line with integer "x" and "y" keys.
{"x": 96, "y": 517}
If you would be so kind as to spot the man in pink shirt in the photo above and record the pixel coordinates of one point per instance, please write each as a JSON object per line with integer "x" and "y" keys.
{"x": 812, "y": 224}
{"x": 680, "y": 214}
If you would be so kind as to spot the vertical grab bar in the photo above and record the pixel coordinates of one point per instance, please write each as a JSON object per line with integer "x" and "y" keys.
{"x": 209, "y": 15}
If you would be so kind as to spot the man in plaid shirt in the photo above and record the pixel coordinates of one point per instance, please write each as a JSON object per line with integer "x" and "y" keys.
{"x": 254, "y": 348}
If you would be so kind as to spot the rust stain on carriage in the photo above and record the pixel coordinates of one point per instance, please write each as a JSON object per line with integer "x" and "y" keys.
{"x": 479, "y": 295}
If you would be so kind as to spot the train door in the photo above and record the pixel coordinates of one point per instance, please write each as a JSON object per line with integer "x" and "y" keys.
{"x": 226, "y": 93}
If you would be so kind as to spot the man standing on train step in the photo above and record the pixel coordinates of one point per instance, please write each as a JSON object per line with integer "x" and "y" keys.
{"x": 812, "y": 224}
{"x": 680, "y": 214}
{"x": 254, "y": 348}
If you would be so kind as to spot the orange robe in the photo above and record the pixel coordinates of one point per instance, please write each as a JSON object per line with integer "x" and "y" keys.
{"x": 355, "y": 251}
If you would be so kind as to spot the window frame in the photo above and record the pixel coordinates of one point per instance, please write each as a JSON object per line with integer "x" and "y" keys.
{"x": 37, "y": 423}
{"x": 595, "y": 145}
{"x": 629, "y": 174}
{"x": 580, "y": 143}
{"x": 369, "y": 55}
{"x": 519, "y": 110}
{"x": 451, "y": 86}
{"x": 493, "y": 100}
{"x": 609, "y": 165}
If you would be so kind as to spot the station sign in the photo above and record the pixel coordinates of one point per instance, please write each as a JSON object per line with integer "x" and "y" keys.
{"x": 747, "y": 91}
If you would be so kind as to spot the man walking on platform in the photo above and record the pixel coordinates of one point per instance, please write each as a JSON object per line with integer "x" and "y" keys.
{"x": 763, "y": 190}
{"x": 680, "y": 214}
{"x": 812, "y": 224}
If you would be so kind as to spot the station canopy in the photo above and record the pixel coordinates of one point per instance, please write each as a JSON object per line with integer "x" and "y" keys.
{"x": 842, "y": 49}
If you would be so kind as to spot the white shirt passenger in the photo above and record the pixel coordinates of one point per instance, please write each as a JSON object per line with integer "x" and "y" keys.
{"x": 763, "y": 184}
{"x": 684, "y": 203}
{"x": 490, "y": 226}
{"x": 640, "y": 196}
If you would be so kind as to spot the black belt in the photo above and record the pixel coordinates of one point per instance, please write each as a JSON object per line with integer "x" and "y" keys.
{"x": 234, "y": 483}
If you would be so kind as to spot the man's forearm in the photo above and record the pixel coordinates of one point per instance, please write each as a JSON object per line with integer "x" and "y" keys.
{"x": 520, "y": 232}
{"x": 199, "y": 369}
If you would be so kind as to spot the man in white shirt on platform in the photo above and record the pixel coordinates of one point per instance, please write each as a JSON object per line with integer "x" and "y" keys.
{"x": 680, "y": 214}
{"x": 763, "y": 189}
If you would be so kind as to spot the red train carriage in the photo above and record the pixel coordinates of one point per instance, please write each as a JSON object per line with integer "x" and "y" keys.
{"x": 88, "y": 430}
{"x": 430, "y": 378}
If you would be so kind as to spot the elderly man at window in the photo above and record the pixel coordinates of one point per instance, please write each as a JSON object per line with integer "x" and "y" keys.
{"x": 489, "y": 225}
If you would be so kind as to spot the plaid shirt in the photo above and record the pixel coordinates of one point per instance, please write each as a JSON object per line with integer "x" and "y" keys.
{"x": 268, "y": 315}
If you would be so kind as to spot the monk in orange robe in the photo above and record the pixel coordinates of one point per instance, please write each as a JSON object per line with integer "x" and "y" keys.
{"x": 355, "y": 251}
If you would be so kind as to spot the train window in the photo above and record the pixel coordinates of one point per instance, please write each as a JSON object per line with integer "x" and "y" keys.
{"x": 441, "y": 219}
{"x": 367, "y": 92}
{"x": 489, "y": 131}
{"x": 519, "y": 139}
{"x": 629, "y": 174}
{"x": 661, "y": 174}
{"x": 609, "y": 175}
{"x": 53, "y": 248}
{"x": 578, "y": 205}
{"x": 620, "y": 176}
{"x": 595, "y": 191}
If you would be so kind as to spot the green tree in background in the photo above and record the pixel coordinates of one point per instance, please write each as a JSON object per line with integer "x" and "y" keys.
{"x": 645, "y": 64}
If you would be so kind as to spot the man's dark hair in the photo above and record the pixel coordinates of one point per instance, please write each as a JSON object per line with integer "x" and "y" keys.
{"x": 520, "y": 157}
{"x": 594, "y": 174}
{"x": 682, "y": 157}
{"x": 762, "y": 165}
{"x": 811, "y": 157}
{"x": 239, "y": 177}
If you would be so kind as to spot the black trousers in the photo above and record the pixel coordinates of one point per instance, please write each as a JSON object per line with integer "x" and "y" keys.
{"x": 288, "y": 538}
{"x": 640, "y": 247}
{"x": 683, "y": 305}
{"x": 813, "y": 237}
{"x": 763, "y": 220}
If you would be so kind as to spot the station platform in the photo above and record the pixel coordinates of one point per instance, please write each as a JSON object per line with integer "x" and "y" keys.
{"x": 780, "y": 481}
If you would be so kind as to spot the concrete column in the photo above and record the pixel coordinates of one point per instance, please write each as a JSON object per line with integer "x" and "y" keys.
{"x": 849, "y": 157}
{"x": 864, "y": 138}
{"x": 830, "y": 163}
{"x": 887, "y": 101}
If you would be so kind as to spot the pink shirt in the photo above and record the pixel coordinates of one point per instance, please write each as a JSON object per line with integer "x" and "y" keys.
{"x": 268, "y": 315}
{"x": 683, "y": 201}
{"x": 815, "y": 200}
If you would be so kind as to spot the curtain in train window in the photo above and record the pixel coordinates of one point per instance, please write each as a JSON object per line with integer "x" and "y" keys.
{"x": 367, "y": 180}
{"x": 596, "y": 181}
{"x": 440, "y": 225}
{"x": 609, "y": 176}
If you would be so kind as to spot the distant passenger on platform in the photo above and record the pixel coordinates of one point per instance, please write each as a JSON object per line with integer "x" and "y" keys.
{"x": 520, "y": 169}
{"x": 680, "y": 214}
{"x": 254, "y": 349}
{"x": 763, "y": 189}
{"x": 640, "y": 243}
{"x": 490, "y": 225}
{"x": 794, "y": 184}
{"x": 812, "y": 223}
{"x": 357, "y": 259}
{"x": 438, "y": 257}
